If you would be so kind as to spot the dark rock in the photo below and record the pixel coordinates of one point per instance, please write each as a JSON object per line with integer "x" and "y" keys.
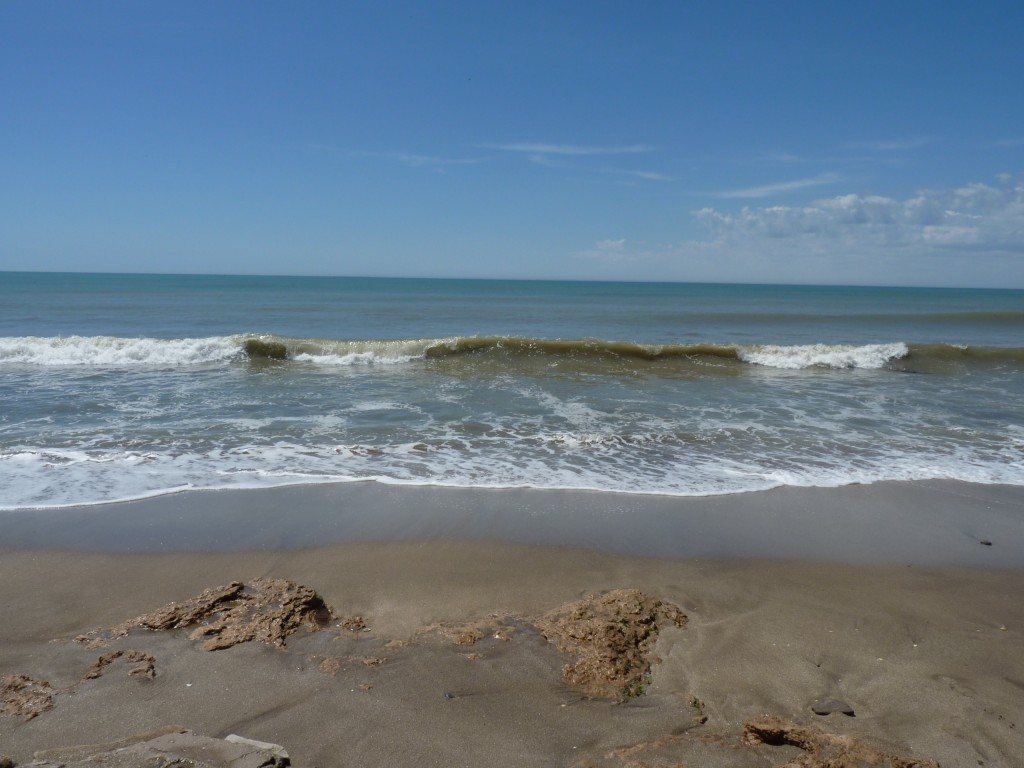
{"x": 828, "y": 706}
{"x": 986, "y": 543}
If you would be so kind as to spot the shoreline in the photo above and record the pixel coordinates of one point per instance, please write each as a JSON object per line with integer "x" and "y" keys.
{"x": 938, "y": 522}
{"x": 880, "y": 597}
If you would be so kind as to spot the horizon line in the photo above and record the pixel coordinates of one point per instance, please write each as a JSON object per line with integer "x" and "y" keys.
{"x": 503, "y": 279}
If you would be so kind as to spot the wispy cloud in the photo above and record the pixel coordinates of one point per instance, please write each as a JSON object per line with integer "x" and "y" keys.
{"x": 570, "y": 149}
{"x": 767, "y": 190}
{"x": 410, "y": 159}
{"x": 892, "y": 145}
{"x": 784, "y": 158}
{"x": 427, "y": 161}
{"x": 643, "y": 175}
{"x": 616, "y": 253}
{"x": 1014, "y": 142}
{"x": 570, "y": 156}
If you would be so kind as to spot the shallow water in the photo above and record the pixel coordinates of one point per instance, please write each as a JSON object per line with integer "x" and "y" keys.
{"x": 121, "y": 386}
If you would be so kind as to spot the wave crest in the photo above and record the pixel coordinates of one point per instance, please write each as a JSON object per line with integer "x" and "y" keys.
{"x": 501, "y": 352}
{"x": 115, "y": 351}
{"x": 824, "y": 355}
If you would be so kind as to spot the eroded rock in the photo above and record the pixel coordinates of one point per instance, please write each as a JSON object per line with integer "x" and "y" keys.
{"x": 268, "y": 610}
{"x": 172, "y": 746}
{"x": 823, "y": 749}
{"x": 145, "y": 665}
{"x": 472, "y": 632}
{"x": 610, "y": 635}
{"x": 22, "y": 696}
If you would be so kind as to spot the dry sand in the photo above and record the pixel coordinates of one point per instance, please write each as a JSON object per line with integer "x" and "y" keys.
{"x": 882, "y": 598}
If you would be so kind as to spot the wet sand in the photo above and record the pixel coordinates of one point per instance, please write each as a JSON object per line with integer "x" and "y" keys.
{"x": 885, "y": 598}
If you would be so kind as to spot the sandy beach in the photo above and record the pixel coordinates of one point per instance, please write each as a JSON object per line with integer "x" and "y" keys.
{"x": 445, "y": 641}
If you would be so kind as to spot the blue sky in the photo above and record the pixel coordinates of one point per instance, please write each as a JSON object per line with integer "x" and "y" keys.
{"x": 866, "y": 142}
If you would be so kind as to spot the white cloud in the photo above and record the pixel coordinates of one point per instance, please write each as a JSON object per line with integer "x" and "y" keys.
{"x": 894, "y": 145}
{"x": 971, "y": 236}
{"x": 975, "y": 216}
{"x": 614, "y": 255}
{"x": 768, "y": 190}
{"x": 570, "y": 149}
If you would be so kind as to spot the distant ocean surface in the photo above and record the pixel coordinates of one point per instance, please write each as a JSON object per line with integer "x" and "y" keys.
{"x": 124, "y": 386}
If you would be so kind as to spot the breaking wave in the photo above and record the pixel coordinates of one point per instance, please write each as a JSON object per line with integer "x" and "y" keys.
{"x": 117, "y": 352}
{"x": 824, "y": 355}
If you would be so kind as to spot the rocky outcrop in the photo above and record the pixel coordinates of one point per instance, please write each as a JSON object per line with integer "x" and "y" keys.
{"x": 610, "y": 635}
{"x": 170, "y": 746}
{"x": 24, "y": 697}
{"x": 145, "y": 664}
{"x": 268, "y": 610}
{"x": 822, "y": 749}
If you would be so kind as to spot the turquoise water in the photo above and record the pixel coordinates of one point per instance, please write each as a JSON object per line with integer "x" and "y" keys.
{"x": 121, "y": 386}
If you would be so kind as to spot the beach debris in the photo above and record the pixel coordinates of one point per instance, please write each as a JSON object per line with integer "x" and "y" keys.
{"x": 610, "y": 635}
{"x": 472, "y": 632}
{"x": 828, "y": 706}
{"x": 22, "y": 696}
{"x": 699, "y": 717}
{"x": 355, "y": 624}
{"x": 369, "y": 661}
{"x": 268, "y": 610}
{"x": 260, "y": 349}
{"x": 985, "y": 543}
{"x": 331, "y": 665}
{"x": 145, "y": 665}
{"x": 169, "y": 746}
{"x": 667, "y": 742}
{"x": 822, "y": 749}
{"x": 264, "y": 746}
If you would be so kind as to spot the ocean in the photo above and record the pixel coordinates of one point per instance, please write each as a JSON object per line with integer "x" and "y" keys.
{"x": 116, "y": 387}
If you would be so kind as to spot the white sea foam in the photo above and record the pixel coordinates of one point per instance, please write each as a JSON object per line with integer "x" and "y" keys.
{"x": 114, "y": 351}
{"x": 823, "y": 355}
{"x": 653, "y": 464}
